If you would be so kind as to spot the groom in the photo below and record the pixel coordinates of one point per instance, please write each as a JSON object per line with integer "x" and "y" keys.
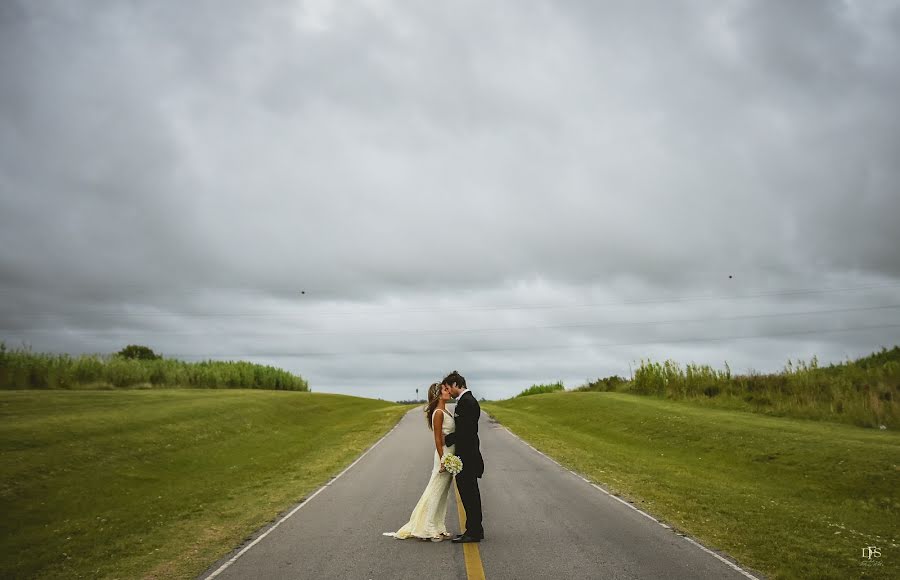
{"x": 468, "y": 449}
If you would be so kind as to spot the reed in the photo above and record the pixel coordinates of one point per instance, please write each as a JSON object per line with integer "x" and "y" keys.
{"x": 542, "y": 389}
{"x": 23, "y": 369}
{"x": 865, "y": 392}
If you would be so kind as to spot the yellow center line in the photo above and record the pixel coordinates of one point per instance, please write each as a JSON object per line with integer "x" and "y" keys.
{"x": 474, "y": 569}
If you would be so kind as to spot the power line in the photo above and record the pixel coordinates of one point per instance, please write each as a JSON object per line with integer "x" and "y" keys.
{"x": 539, "y": 348}
{"x": 371, "y": 310}
{"x": 600, "y": 325}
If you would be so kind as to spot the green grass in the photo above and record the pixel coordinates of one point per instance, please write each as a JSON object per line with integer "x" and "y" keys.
{"x": 791, "y": 498}
{"x": 160, "y": 483}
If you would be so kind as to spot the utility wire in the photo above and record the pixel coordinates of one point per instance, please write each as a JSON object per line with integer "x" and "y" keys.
{"x": 374, "y": 310}
{"x": 411, "y": 352}
{"x": 599, "y": 325}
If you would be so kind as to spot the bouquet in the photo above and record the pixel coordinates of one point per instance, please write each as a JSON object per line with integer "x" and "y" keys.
{"x": 452, "y": 463}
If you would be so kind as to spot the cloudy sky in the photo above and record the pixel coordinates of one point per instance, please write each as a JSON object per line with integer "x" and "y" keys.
{"x": 372, "y": 194}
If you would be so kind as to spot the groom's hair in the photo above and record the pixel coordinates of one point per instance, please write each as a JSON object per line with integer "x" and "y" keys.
{"x": 455, "y": 377}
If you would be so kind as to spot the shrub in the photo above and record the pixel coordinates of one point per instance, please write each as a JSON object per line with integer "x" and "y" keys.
{"x": 607, "y": 384}
{"x": 136, "y": 351}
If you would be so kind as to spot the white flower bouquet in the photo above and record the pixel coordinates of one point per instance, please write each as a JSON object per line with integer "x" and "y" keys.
{"x": 452, "y": 463}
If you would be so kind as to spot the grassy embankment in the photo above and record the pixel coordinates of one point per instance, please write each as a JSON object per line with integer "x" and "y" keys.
{"x": 159, "y": 483}
{"x": 789, "y": 497}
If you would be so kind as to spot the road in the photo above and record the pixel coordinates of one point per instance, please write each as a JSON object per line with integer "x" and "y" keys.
{"x": 540, "y": 521}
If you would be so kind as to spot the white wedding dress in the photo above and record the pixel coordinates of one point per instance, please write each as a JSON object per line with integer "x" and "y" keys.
{"x": 428, "y": 518}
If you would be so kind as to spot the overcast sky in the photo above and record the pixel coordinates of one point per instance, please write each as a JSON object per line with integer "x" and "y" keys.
{"x": 373, "y": 194}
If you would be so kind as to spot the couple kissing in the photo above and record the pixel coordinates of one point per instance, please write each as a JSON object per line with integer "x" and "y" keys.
{"x": 454, "y": 434}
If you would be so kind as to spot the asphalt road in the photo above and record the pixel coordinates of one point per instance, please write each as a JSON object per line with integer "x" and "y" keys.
{"x": 540, "y": 521}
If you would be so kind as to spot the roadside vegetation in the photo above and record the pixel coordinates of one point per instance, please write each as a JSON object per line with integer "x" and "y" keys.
{"x": 542, "y": 389}
{"x": 135, "y": 366}
{"x": 793, "y": 473}
{"x": 159, "y": 483}
{"x": 864, "y": 392}
{"x": 788, "y": 497}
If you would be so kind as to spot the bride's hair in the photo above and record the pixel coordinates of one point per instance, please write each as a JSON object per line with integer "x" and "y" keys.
{"x": 434, "y": 395}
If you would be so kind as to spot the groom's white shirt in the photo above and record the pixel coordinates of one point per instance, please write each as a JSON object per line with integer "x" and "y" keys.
{"x": 461, "y": 393}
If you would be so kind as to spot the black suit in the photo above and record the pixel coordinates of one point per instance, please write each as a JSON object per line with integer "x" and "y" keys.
{"x": 468, "y": 448}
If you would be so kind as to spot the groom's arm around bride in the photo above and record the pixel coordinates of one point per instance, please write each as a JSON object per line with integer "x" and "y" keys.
{"x": 467, "y": 413}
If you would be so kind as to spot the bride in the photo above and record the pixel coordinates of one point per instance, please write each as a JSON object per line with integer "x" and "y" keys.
{"x": 427, "y": 519}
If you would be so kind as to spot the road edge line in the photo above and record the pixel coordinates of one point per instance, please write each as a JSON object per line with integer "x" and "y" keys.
{"x": 622, "y": 501}
{"x": 234, "y": 558}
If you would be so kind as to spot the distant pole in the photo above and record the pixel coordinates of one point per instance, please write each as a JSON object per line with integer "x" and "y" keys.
{"x": 417, "y": 394}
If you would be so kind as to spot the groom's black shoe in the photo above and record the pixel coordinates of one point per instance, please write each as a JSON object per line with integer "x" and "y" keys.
{"x": 465, "y": 539}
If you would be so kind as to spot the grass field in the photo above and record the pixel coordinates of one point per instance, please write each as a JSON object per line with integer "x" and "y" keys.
{"x": 791, "y": 498}
{"x": 160, "y": 483}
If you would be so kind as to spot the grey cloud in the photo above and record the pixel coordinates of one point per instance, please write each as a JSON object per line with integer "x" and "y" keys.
{"x": 176, "y": 175}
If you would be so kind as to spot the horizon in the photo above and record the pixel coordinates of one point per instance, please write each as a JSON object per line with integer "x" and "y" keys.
{"x": 506, "y": 390}
{"x": 372, "y": 194}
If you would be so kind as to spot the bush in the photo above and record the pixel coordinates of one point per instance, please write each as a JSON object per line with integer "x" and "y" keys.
{"x": 135, "y": 351}
{"x": 607, "y": 384}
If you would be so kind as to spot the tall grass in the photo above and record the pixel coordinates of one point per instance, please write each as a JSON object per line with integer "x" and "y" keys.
{"x": 865, "y": 392}
{"x": 23, "y": 369}
{"x": 542, "y": 389}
